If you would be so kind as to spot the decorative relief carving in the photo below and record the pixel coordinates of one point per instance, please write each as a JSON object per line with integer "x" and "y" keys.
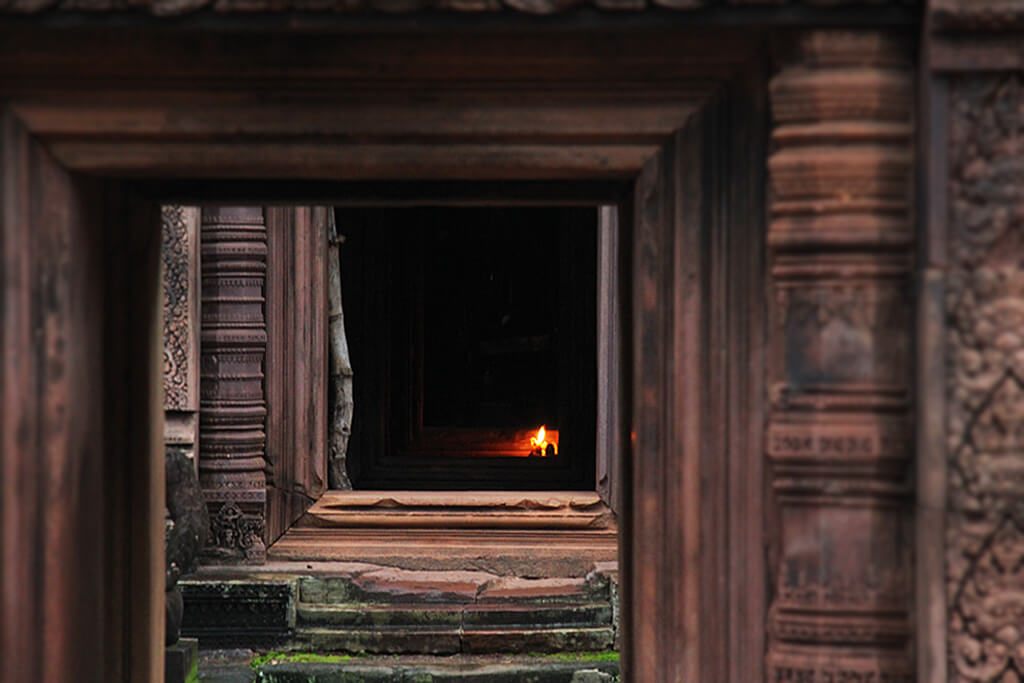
{"x": 839, "y": 332}
{"x": 985, "y": 380}
{"x": 178, "y": 253}
{"x": 850, "y": 556}
{"x": 838, "y": 435}
{"x": 232, "y": 528}
{"x": 232, "y": 465}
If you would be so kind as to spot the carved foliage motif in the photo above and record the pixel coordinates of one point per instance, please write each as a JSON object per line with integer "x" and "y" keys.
{"x": 179, "y": 293}
{"x": 985, "y": 380}
{"x": 838, "y": 436}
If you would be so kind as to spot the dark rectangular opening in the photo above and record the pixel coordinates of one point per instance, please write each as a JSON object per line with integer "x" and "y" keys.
{"x": 469, "y": 328}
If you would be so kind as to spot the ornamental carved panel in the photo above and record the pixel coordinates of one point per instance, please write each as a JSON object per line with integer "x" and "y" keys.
{"x": 179, "y": 252}
{"x": 985, "y": 380}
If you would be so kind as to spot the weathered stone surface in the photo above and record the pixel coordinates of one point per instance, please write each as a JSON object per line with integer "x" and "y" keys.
{"x": 511, "y": 588}
{"x": 226, "y": 666}
{"x": 544, "y": 615}
{"x": 392, "y": 641}
{"x": 190, "y": 524}
{"x": 377, "y": 616}
{"x": 239, "y": 613}
{"x": 174, "y": 610}
{"x": 592, "y": 676}
{"x": 186, "y": 531}
{"x": 539, "y": 640}
{"x": 401, "y": 585}
{"x": 181, "y": 661}
{"x": 387, "y": 584}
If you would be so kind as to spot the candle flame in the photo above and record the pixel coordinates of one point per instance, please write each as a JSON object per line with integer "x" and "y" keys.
{"x": 540, "y": 442}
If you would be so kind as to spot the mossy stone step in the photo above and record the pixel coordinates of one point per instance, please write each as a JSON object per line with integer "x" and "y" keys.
{"x": 477, "y": 616}
{"x": 393, "y": 586}
{"x": 456, "y": 640}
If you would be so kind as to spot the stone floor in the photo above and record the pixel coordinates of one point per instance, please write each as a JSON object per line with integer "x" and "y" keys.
{"x": 233, "y": 666}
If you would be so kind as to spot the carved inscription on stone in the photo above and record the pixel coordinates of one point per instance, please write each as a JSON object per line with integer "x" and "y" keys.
{"x": 985, "y": 380}
{"x": 799, "y": 665}
{"x": 869, "y": 440}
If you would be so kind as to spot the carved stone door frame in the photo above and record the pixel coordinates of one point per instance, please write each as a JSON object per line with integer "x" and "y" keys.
{"x": 672, "y": 130}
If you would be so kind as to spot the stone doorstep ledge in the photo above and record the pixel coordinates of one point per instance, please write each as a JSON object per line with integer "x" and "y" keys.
{"x": 445, "y": 510}
{"x": 513, "y": 552}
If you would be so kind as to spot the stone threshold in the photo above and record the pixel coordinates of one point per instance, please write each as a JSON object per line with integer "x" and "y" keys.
{"x": 516, "y": 552}
{"x": 460, "y": 510}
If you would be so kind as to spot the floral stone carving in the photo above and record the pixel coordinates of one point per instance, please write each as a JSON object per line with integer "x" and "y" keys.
{"x": 985, "y": 381}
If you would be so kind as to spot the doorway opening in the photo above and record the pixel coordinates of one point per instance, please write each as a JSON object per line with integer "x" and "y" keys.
{"x": 470, "y": 330}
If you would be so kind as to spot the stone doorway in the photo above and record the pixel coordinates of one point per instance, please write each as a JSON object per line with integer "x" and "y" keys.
{"x": 639, "y": 135}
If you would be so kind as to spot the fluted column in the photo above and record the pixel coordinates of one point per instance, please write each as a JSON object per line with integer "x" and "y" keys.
{"x": 232, "y": 402}
{"x": 838, "y": 439}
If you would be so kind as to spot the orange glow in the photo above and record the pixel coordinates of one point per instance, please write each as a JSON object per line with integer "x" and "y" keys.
{"x": 539, "y": 443}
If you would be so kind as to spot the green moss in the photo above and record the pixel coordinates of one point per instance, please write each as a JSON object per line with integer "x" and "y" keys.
{"x": 605, "y": 656}
{"x": 303, "y": 657}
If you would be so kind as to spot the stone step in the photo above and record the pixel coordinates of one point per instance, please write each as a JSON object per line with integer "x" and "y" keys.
{"x": 367, "y": 585}
{"x": 499, "y": 617}
{"x": 456, "y": 669}
{"x": 390, "y": 641}
{"x": 475, "y": 616}
{"x": 454, "y": 640}
{"x": 587, "y": 639}
{"x": 360, "y": 607}
{"x": 555, "y": 672}
{"x": 378, "y": 616}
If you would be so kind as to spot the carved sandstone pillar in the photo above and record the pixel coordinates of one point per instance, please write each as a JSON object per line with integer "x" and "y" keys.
{"x": 838, "y": 438}
{"x": 232, "y": 405}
